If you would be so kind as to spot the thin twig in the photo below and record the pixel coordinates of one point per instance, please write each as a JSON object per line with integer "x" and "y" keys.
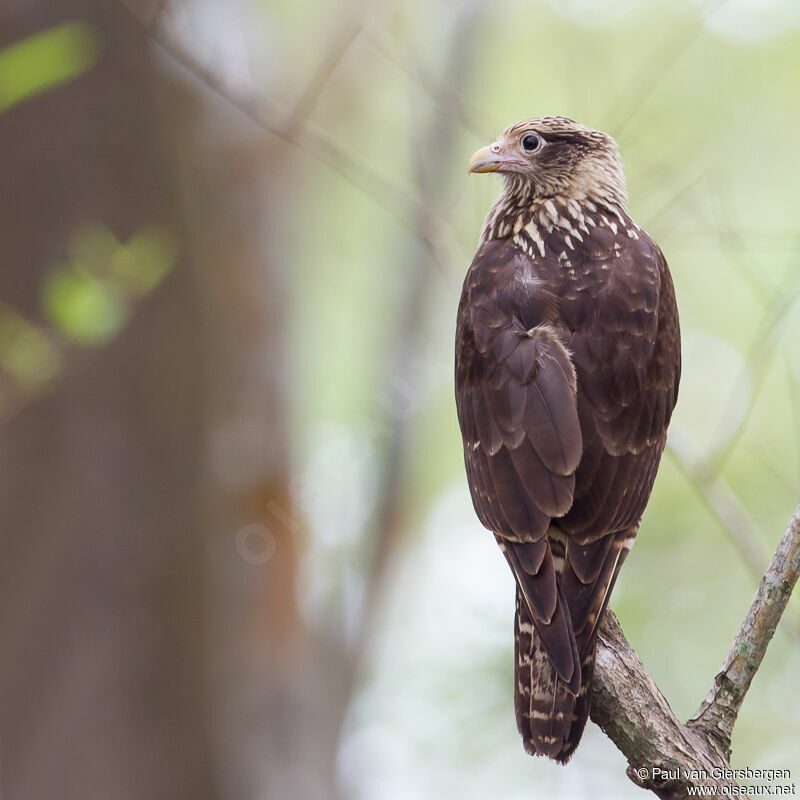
{"x": 440, "y": 91}
{"x": 322, "y": 75}
{"x": 759, "y": 359}
{"x": 406, "y": 341}
{"x": 648, "y": 80}
{"x": 728, "y": 225}
{"x": 721, "y": 500}
{"x": 437, "y": 237}
{"x": 724, "y": 503}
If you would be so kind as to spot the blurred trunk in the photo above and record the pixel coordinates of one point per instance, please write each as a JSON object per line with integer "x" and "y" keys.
{"x": 275, "y": 687}
{"x": 166, "y": 446}
{"x": 278, "y": 688}
{"x": 283, "y": 689}
{"x": 102, "y": 607}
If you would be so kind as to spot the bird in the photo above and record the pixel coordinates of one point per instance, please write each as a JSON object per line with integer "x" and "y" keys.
{"x": 567, "y": 368}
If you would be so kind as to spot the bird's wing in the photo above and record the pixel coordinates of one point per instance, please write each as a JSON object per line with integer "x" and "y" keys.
{"x": 627, "y": 362}
{"x": 517, "y": 405}
{"x": 628, "y": 366}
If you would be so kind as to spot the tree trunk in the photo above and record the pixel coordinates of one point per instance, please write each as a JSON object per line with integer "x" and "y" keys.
{"x": 102, "y": 601}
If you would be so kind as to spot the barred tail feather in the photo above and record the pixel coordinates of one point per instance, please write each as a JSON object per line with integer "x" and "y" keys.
{"x": 550, "y": 717}
{"x": 583, "y": 705}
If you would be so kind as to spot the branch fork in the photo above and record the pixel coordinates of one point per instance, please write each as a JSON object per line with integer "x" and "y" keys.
{"x": 665, "y": 756}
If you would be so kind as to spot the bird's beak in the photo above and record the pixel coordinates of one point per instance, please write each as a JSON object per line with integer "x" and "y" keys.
{"x": 498, "y": 156}
{"x": 487, "y": 159}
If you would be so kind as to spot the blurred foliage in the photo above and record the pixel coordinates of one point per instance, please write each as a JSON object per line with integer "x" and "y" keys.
{"x": 83, "y": 306}
{"x": 26, "y": 353}
{"x": 90, "y": 299}
{"x": 702, "y": 99}
{"x": 45, "y": 60}
{"x": 87, "y": 301}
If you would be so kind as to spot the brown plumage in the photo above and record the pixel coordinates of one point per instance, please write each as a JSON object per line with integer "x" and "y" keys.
{"x": 567, "y": 370}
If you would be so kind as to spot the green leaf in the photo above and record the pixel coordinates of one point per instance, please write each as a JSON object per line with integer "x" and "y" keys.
{"x": 45, "y": 60}
{"x": 25, "y": 351}
{"x": 141, "y": 264}
{"x": 135, "y": 267}
{"x": 86, "y": 308}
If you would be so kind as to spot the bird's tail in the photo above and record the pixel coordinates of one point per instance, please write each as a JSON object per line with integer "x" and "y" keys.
{"x": 550, "y": 717}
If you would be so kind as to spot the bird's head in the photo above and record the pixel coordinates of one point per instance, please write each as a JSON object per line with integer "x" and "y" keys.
{"x": 555, "y": 157}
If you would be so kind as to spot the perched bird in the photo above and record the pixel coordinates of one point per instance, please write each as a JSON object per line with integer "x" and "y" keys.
{"x": 567, "y": 370}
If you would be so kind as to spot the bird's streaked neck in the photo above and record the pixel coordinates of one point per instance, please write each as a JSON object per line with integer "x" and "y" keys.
{"x": 600, "y": 190}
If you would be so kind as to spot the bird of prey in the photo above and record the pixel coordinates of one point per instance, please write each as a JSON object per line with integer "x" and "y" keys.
{"x": 567, "y": 370}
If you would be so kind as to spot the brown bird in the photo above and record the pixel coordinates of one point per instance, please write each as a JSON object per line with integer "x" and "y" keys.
{"x": 567, "y": 370}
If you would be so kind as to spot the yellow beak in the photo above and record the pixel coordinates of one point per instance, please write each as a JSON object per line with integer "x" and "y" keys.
{"x": 486, "y": 159}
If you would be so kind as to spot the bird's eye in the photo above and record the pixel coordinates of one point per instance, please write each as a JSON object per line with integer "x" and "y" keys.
{"x": 531, "y": 142}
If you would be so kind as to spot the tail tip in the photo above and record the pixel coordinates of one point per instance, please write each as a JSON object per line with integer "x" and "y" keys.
{"x": 555, "y": 748}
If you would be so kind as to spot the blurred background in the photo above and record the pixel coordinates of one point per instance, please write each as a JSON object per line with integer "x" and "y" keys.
{"x": 239, "y": 554}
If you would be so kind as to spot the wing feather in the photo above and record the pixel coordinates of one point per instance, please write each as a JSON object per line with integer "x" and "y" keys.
{"x": 549, "y": 613}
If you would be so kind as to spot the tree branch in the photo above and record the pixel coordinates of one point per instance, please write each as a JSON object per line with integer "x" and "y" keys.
{"x": 717, "y": 714}
{"x": 665, "y": 756}
{"x": 629, "y": 707}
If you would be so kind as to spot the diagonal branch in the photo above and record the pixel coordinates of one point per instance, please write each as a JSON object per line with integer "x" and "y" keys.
{"x": 720, "y": 499}
{"x": 726, "y": 506}
{"x": 322, "y": 75}
{"x": 294, "y": 130}
{"x": 759, "y": 359}
{"x": 629, "y": 707}
{"x": 664, "y": 756}
{"x": 647, "y": 80}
